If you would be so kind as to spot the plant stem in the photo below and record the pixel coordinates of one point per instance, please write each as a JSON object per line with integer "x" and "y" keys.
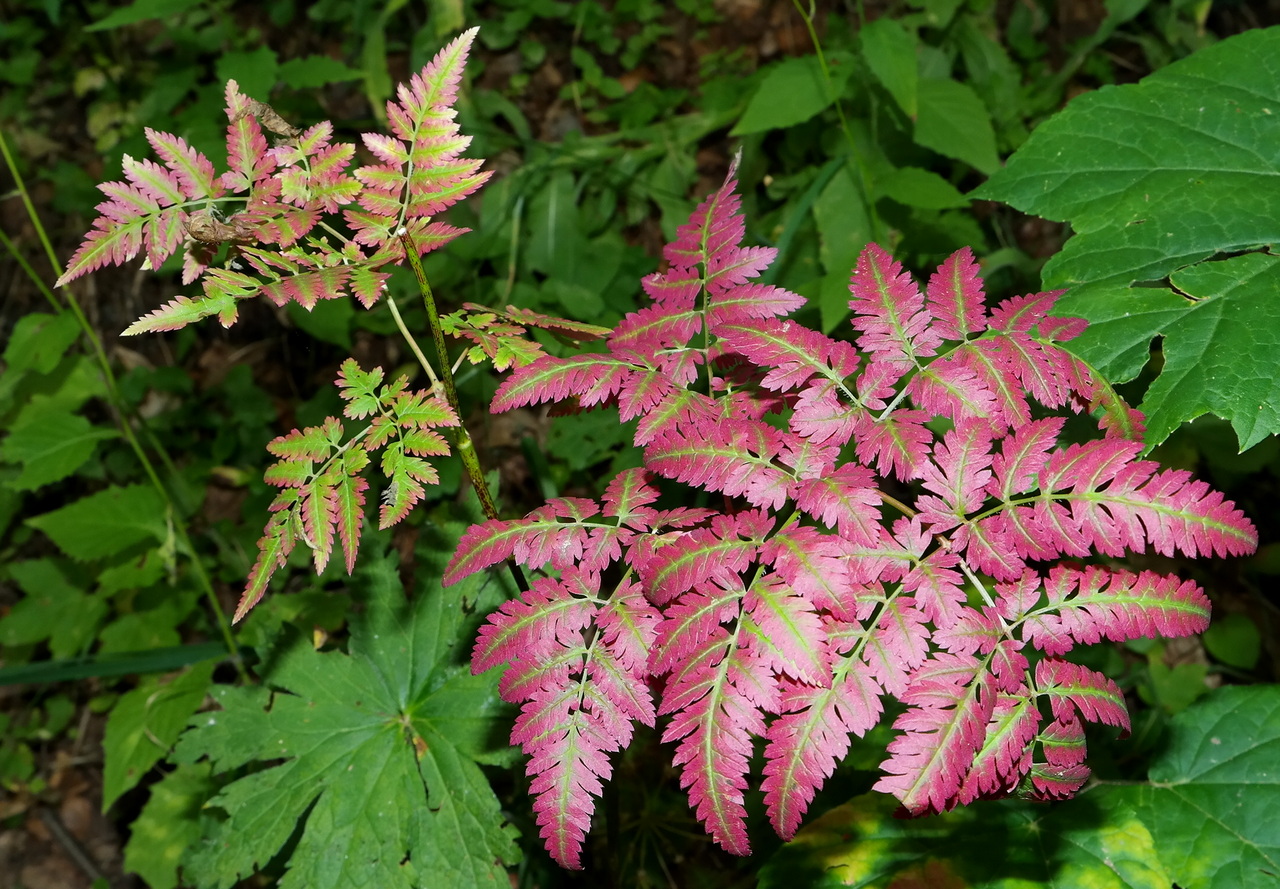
{"x": 413, "y": 344}
{"x": 122, "y": 415}
{"x": 462, "y": 438}
{"x": 863, "y": 178}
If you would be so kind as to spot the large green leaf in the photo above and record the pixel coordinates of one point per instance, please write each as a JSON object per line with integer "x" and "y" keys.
{"x": 1160, "y": 180}
{"x": 1214, "y": 795}
{"x": 1008, "y": 845}
{"x": 50, "y": 443}
{"x": 55, "y": 608}
{"x": 105, "y": 523}
{"x": 889, "y": 50}
{"x": 793, "y": 91}
{"x": 143, "y": 725}
{"x": 953, "y": 122}
{"x": 376, "y": 777}
{"x": 169, "y": 825}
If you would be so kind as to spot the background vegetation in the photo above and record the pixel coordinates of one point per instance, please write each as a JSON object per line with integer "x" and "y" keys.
{"x": 130, "y": 471}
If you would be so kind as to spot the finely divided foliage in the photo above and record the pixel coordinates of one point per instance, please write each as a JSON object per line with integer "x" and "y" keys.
{"x": 289, "y": 221}
{"x": 891, "y": 513}
{"x": 278, "y": 206}
{"x": 889, "y": 516}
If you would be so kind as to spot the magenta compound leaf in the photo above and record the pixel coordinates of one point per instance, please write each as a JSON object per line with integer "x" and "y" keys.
{"x": 891, "y": 517}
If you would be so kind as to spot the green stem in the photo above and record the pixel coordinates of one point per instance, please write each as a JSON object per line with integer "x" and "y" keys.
{"x": 413, "y": 343}
{"x": 863, "y": 178}
{"x": 122, "y": 415}
{"x": 31, "y": 273}
{"x": 462, "y": 438}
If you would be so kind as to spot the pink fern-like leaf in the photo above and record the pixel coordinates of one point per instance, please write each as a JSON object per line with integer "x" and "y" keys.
{"x": 715, "y": 699}
{"x": 811, "y": 736}
{"x": 580, "y": 699}
{"x": 422, "y": 170}
{"x": 816, "y": 585}
{"x": 1124, "y": 503}
{"x": 955, "y": 297}
{"x": 793, "y": 353}
{"x": 793, "y": 642}
{"x": 593, "y": 379}
{"x": 1070, "y": 686}
{"x": 950, "y": 702}
{"x": 897, "y": 444}
{"x": 734, "y": 458}
{"x": 957, "y": 475}
{"x": 247, "y": 152}
{"x": 181, "y": 311}
{"x": 1005, "y": 756}
{"x": 889, "y": 310}
{"x": 1086, "y": 606}
{"x": 559, "y": 533}
{"x": 683, "y": 559}
{"x": 845, "y": 499}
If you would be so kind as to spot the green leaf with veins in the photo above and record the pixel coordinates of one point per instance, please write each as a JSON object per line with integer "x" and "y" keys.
{"x": 380, "y": 783}
{"x": 169, "y": 824}
{"x": 143, "y": 725}
{"x": 105, "y": 523}
{"x": 50, "y": 444}
{"x": 1156, "y": 178}
{"x": 1214, "y": 793}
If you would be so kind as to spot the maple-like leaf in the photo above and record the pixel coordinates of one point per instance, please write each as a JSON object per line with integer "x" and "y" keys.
{"x": 363, "y": 766}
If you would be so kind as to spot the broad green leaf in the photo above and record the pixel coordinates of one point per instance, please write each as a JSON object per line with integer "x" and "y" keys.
{"x": 105, "y": 523}
{"x": 54, "y": 608}
{"x": 39, "y": 341}
{"x": 890, "y": 52}
{"x": 953, "y": 122}
{"x": 375, "y": 753}
{"x": 841, "y": 217}
{"x": 1214, "y": 792}
{"x": 256, "y": 70}
{"x": 17, "y": 762}
{"x": 1155, "y": 178}
{"x": 1176, "y": 688}
{"x": 330, "y": 321}
{"x": 1005, "y": 845}
{"x": 75, "y": 380}
{"x": 793, "y": 91}
{"x": 1234, "y": 639}
{"x": 314, "y": 72}
{"x": 556, "y": 242}
{"x": 133, "y": 573}
{"x": 50, "y": 444}
{"x": 144, "y": 724}
{"x": 149, "y": 628}
{"x": 170, "y": 824}
{"x": 141, "y": 11}
{"x": 939, "y": 12}
{"x": 920, "y": 188}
